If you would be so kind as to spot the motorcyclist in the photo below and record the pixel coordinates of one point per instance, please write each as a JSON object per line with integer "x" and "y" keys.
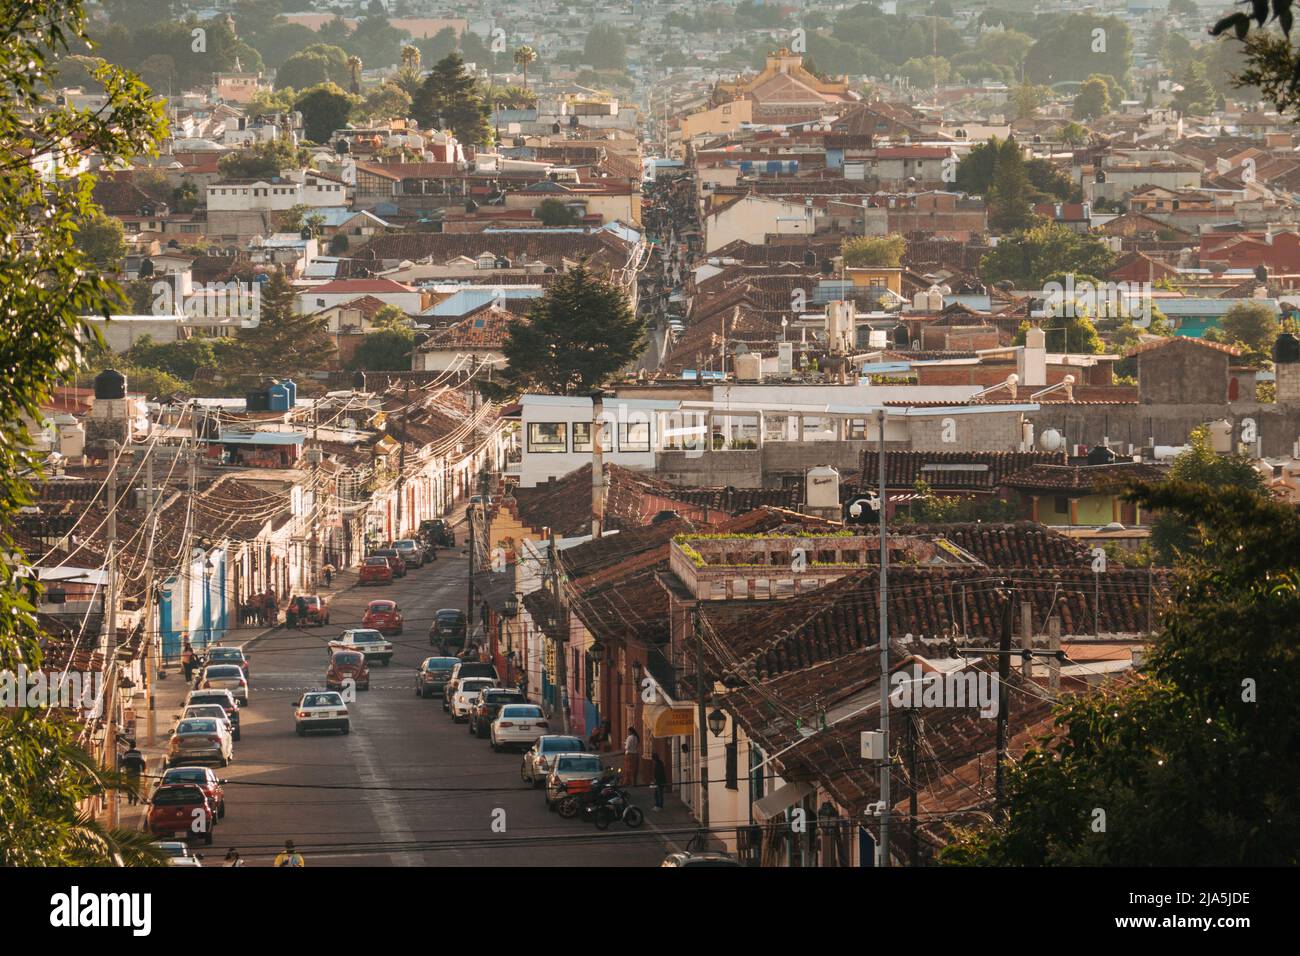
{"x": 290, "y": 856}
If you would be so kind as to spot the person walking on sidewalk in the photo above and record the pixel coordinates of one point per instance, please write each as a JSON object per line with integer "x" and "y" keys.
{"x": 329, "y": 574}
{"x": 660, "y": 776}
{"x": 133, "y": 767}
{"x": 632, "y": 756}
{"x": 187, "y": 659}
{"x": 233, "y": 858}
{"x": 290, "y": 856}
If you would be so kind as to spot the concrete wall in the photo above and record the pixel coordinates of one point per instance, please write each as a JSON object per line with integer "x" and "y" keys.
{"x": 985, "y": 432}
{"x": 1278, "y": 425}
{"x": 1186, "y": 374}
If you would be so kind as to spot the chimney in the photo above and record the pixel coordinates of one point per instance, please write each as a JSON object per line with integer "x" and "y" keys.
{"x": 1031, "y": 359}
{"x": 1286, "y": 366}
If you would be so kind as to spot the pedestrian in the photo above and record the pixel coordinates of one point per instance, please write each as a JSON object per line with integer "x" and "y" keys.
{"x": 632, "y": 756}
{"x": 290, "y": 856}
{"x": 659, "y": 773}
{"x": 599, "y": 738}
{"x": 232, "y": 858}
{"x": 272, "y": 609}
{"x": 300, "y": 607}
{"x": 187, "y": 659}
{"x": 291, "y": 615}
{"x": 133, "y": 767}
{"x": 329, "y": 574}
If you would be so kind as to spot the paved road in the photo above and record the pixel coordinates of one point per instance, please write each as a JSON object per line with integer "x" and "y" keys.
{"x": 340, "y": 805}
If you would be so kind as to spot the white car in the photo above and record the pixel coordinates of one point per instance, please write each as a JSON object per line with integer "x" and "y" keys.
{"x": 215, "y": 711}
{"x": 367, "y": 640}
{"x": 465, "y": 694}
{"x": 178, "y": 853}
{"x": 321, "y": 710}
{"x": 540, "y": 757}
{"x": 225, "y": 677}
{"x": 518, "y": 725}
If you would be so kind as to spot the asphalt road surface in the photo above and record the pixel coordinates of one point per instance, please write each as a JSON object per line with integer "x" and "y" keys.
{"x": 407, "y": 787}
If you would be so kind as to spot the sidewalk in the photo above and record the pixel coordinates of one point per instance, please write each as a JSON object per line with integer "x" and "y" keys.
{"x": 675, "y": 824}
{"x": 171, "y": 689}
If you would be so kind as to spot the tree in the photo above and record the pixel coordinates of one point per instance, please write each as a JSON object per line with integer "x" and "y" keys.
{"x": 389, "y": 101}
{"x": 375, "y": 40}
{"x": 1079, "y": 338}
{"x": 49, "y": 282}
{"x": 554, "y": 212}
{"x": 1253, "y": 324}
{"x": 384, "y": 350}
{"x": 354, "y": 75}
{"x": 1073, "y": 134}
{"x": 1025, "y": 100}
{"x": 263, "y": 160}
{"x": 324, "y": 109}
{"x": 1093, "y": 99}
{"x": 1196, "y": 95}
{"x": 525, "y": 56}
{"x": 103, "y": 240}
{"x": 873, "y": 251}
{"x": 577, "y": 335}
{"x": 391, "y": 317}
{"x": 409, "y": 73}
{"x": 449, "y": 98}
{"x": 927, "y": 71}
{"x": 285, "y": 342}
{"x": 436, "y": 47}
{"x": 1027, "y": 259}
{"x": 1078, "y": 46}
{"x": 317, "y": 64}
{"x": 605, "y": 48}
{"x": 1010, "y": 193}
{"x": 180, "y": 359}
{"x": 1197, "y": 762}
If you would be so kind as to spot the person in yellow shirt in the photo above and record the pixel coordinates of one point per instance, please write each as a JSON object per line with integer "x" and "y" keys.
{"x": 290, "y": 857}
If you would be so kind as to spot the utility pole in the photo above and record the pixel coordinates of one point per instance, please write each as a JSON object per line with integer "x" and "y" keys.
{"x": 108, "y": 646}
{"x": 151, "y": 635}
{"x": 1004, "y": 674}
{"x": 315, "y": 491}
{"x": 187, "y": 576}
{"x": 401, "y": 468}
{"x": 561, "y": 645}
{"x": 597, "y": 464}
{"x": 884, "y": 654}
{"x": 701, "y": 722}
{"x": 913, "y": 851}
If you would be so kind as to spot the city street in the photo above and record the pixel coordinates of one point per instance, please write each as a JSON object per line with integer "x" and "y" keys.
{"x": 406, "y": 787}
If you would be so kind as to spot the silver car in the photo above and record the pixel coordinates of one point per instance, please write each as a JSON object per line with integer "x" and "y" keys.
{"x": 540, "y": 757}
{"x": 200, "y": 739}
{"x": 229, "y": 677}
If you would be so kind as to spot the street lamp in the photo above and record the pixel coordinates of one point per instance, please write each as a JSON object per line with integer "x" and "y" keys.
{"x": 717, "y": 721}
{"x": 510, "y": 607}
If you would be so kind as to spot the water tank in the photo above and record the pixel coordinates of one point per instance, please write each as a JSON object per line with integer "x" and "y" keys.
{"x": 277, "y": 397}
{"x": 1051, "y": 440}
{"x": 1101, "y": 455}
{"x": 110, "y": 384}
{"x": 1286, "y": 349}
{"x": 749, "y": 367}
{"x": 823, "y": 490}
{"x": 934, "y": 299}
{"x": 71, "y": 441}
{"x": 256, "y": 401}
{"x": 1221, "y": 436}
{"x": 292, "y": 386}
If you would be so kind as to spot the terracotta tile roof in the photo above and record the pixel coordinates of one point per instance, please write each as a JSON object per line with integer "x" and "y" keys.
{"x": 951, "y": 470}
{"x": 1183, "y": 341}
{"x": 1083, "y": 478}
{"x": 484, "y": 328}
{"x": 602, "y": 247}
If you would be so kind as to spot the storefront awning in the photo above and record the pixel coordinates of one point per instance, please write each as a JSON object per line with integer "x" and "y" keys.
{"x": 780, "y": 800}
{"x": 664, "y": 720}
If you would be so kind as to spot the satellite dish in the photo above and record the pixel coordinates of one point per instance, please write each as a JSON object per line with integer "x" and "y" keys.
{"x": 349, "y": 424}
{"x": 1051, "y": 440}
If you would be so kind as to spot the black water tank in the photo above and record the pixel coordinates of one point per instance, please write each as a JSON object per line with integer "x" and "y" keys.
{"x": 1101, "y": 455}
{"x": 1286, "y": 349}
{"x": 109, "y": 384}
{"x": 359, "y": 381}
{"x": 257, "y": 401}
{"x": 663, "y": 516}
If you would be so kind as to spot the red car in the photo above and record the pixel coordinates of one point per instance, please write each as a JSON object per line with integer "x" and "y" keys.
{"x": 376, "y": 570}
{"x": 345, "y": 664}
{"x": 318, "y": 612}
{"x": 181, "y": 811}
{"x": 202, "y": 777}
{"x": 383, "y": 616}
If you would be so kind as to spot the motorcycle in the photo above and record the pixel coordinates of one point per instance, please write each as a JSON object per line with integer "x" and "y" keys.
{"x": 603, "y": 803}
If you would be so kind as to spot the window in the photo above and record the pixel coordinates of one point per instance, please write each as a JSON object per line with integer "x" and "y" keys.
{"x": 548, "y": 437}
{"x": 1061, "y": 505}
{"x": 732, "y": 774}
{"x": 756, "y": 789}
{"x": 634, "y": 436}
{"x": 582, "y": 437}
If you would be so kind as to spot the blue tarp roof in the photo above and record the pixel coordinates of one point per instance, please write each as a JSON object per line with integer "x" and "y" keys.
{"x": 262, "y": 438}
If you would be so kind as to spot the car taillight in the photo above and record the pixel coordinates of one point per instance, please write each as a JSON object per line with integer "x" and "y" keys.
{"x": 301, "y": 713}
{"x": 504, "y": 723}
{"x": 542, "y": 723}
{"x": 214, "y": 739}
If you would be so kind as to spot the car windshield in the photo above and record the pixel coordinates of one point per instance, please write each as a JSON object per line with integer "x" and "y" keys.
{"x": 366, "y": 637}
{"x": 197, "y": 727}
{"x": 449, "y": 616}
{"x": 174, "y": 795}
{"x": 552, "y": 745}
{"x": 347, "y": 659}
{"x": 471, "y": 687}
{"x": 497, "y": 696}
{"x": 404, "y": 545}
{"x": 377, "y": 562}
{"x": 206, "y": 710}
{"x": 225, "y": 654}
{"x": 221, "y": 699}
{"x": 589, "y": 764}
{"x": 174, "y": 849}
{"x": 312, "y": 601}
{"x": 441, "y": 663}
{"x": 381, "y": 607}
{"x": 224, "y": 670}
{"x": 322, "y": 700}
{"x": 521, "y": 710}
{"x": 186, "y": 775}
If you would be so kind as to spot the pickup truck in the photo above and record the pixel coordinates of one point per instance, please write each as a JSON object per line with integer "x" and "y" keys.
{"x": 366, "y": 640}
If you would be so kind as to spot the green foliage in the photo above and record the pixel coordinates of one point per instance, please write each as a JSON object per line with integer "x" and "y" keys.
{"x": 1073, "y": 134}
{"x": 1252, "y": 324}
{"x": 324, "y": 109}
{"x": 554, "y": 212}
{"x": 376, "y": 41}
{"x": 605, "y": 48}
{"x": 48, "y": 282}
{"x": 574, "y": 338}
{"x": 1198, "y": 763}
{"x": 180, "y": 359}
{"x": 383, "y": 103}
{"x": 317, "y": 64}
{"x": 1073, "y": 50}
{"x": 450, "y": 99}
{"x": 1197, "y": 96}
{"x": 391, "y": 317}
{"x": 1093, "y": 99}
{"x": 163, "y": 50}
{"x": 263, "y": 160}
{"x": 385, "y": 350}
{"x": 873, "y": 251}
{"x": 155, "y": 383}
{"x": 1028, "y": 258}
{"x": 285, "y": 343}
{"x": 1010, "y": 193}
{"x": 103, "y": 240}
{"x": 953, "y": 509}
{"x": 1079, "y": 338}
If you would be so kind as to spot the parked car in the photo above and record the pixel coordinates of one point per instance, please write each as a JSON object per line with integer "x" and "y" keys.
{"x": 394, "y": 560}
{"x": 200, "y": 739}
{"x": 438, "y": 532}
{"x": 410, "y": 551}
{"x": 215, "y": 696}
{"x": 461, "y": 670}
{"x": 345, "y": 665}
{"x": 448, "y": 627}
{"x": 516, "y": 725}
{"x": 215, "y": 711}
{"x": 485, "y": 707}
{"x": 178, "y": 854}
{"x": 321, "y": 710}
{"x": 540, "y": 757}
{"x": 366, "y": 640}
{"x": 465, "y": 693}
{"x": 224, "y": 677}
{"x": 699, "y": 859}
{"x": 384, "y": 616}
{"x": 317, "y": 611}
{"x": 181, "y": 811}
{"x": 227, "y": 655}
{"x": 432, "y": 675}
{"x": 375, "y": 570}
{"x": 202, "y": 777}
{"x": 570, "y": 773}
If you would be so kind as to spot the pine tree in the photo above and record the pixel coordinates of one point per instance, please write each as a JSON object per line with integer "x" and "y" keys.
{"x": 577, "y": 335}
{"x": 1009, "y": 193}
{"x": 284, "y": 342}
{"x": 449, "y": 98}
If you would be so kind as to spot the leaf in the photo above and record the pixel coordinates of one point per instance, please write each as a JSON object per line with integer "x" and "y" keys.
{"x": 1259, "y": 11}
{"x": 1237, "y": 21}
{"x": 1282, "y": 13}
